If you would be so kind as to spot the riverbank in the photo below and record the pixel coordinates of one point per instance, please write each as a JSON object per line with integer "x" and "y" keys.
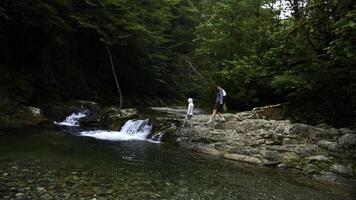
{"x": 326, "y": 153}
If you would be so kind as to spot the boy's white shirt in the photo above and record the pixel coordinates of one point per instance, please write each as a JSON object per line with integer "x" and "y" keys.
{"x": 190, "y": 109}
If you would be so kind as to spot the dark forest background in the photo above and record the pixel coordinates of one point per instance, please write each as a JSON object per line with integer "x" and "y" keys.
{"x": 166, "y": 51}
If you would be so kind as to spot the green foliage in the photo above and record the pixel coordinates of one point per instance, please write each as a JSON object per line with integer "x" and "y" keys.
{"x": 306, "y": 60}
{"x": 232, "y": 37}
{"x": 53, "y": 50}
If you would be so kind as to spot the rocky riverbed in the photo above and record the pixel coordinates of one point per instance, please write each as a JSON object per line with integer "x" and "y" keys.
{"x": 33, "y": 180}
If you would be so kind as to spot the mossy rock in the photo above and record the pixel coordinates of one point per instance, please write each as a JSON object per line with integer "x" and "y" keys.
{"x": 59, "y": 111}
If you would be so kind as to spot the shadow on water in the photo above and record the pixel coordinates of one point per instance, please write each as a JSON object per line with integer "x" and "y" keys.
{"x": 40, "y": 163}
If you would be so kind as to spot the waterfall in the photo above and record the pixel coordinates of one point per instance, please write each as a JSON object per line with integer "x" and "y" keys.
{"x": 132, "y": 130}
{"x": 73, "y": 119}
{"x": 140, "y": 128}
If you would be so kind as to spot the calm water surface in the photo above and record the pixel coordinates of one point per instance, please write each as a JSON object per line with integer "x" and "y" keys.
{"x": 44, "y": 163}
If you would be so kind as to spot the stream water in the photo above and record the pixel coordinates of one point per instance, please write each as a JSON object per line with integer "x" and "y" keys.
{"x": 60, "y": 163}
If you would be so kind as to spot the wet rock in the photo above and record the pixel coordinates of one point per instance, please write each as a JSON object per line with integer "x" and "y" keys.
{"x": 59, "y": 111}
{"x": 335, "y": 178}
{"x": 244, "y": 158}
{"x": 110, "y": 118}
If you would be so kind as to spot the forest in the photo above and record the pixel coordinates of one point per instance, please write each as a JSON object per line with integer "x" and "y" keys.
{"x": 297, "y": 52}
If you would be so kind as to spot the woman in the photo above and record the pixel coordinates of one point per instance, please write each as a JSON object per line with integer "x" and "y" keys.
{"x": 218, "y": 106}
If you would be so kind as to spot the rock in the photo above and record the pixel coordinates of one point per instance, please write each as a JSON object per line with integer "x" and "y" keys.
{"x": 342, "y": 169}
{"x": 347, "y": 141}
{"x": 332, "y": 177}
{"x": 110, "y": 118}
{"x": 330, "y": 146}
{"x": 40, "y": 189}
{"x": 245, "y": 137}
{"x": 303, "y": 150}
{"x": 346, "y": 131}
{"x": 325, "y": 143}
{"x": 323, "y": 126}
{"x": 19, "y": 194}
{"x": 310, "y": 168}
{"x": 34, "y": 111}
{"x": 23, "y": 116}
{"x": 275, "y": 112}
{"x": 306, "y": 131}
{"x": 272, "y": 156}
{"x": 244, "y": 158}
{"x": 333, "y": 147}
{"x": 208, "y": 149}
{"x": 318, "y": 158}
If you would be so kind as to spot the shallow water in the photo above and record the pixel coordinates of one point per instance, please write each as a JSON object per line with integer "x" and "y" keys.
{"x": 43, "y": 163}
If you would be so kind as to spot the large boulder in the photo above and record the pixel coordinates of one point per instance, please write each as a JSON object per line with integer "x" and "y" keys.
{"x": 23, "y": 116}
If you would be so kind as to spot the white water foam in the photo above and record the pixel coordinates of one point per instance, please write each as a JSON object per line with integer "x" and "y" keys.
{"x": 157, "y": 138}
{"x": 132, "y": 130}
{"x": 110, "y": 135}
{"x": 72, "y": 120}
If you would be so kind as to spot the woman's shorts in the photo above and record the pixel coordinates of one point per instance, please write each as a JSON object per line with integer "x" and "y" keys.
{"x": 218, "y": 107}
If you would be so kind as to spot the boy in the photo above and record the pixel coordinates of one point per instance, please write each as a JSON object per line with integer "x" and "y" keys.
{"x": 189, "y": 112}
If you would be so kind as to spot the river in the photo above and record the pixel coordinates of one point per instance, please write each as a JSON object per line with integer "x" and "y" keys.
{"x": 60, "y": 163}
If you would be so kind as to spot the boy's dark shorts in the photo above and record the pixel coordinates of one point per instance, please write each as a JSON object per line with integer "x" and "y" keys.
{"x": 189, "y": 116}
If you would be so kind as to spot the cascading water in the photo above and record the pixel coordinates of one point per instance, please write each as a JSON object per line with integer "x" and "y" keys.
{"x": 139, "y": 128}
{"x": 132, "y": 130}
{"x": 73, "y": 119}
{"x": 157, "y": 138}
